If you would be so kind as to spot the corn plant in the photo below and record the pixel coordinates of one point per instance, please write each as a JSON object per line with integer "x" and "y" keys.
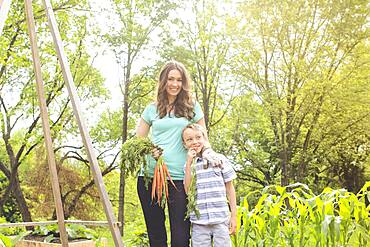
{"x": 295, "y": 216}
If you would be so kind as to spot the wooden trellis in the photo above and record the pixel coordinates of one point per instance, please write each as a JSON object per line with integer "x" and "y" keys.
{"x": 113, "y": 224}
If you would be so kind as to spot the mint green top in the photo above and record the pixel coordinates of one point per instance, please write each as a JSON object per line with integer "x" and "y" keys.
{"x": 166, "y": 133}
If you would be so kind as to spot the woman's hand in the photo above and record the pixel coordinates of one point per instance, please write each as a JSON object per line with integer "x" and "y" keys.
{"x": 156, "y": 152}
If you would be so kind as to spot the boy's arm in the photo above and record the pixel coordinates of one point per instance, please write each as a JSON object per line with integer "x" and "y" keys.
{"x": 189, "y": 161}
{"x": 230, "y": 191}
{"x": 187, "y": 178}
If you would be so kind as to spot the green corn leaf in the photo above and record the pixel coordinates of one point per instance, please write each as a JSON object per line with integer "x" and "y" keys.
{"x": 245, "y": 203}
{"x": 364, "y": 232}
{"x": 5, "y": 241}
{"x": 281, "y": 190}
{"x": 325, "y": 224}
{"x": 344, "y": 209}
{"x": 337, "y": 222}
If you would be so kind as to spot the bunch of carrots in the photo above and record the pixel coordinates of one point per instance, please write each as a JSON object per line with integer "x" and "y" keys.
{"x": 159, "y": 183}
{"x": 133, "y": 156}
{"x": 192, "y": 193}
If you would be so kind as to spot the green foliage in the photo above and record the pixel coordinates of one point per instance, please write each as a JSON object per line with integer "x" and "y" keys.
{"x": 300, "y": 69}
{"x": 300, "y": 63}
{"x": 133, "y": 154}
{"x": 192, "y": 193}
{"x": 295, "y": 216}
{"x": 21, "y": 130}
{"x": 9, "y": 231}
{"x": 74, "y": 231}
{"x": 140, "y": 238}
{"x": 132, "y": 35}
{"x": 6, "y": 241}
{"x": 134, "y": 220}
{"x": 45, "y": 230}
{"x": 203, "y": 44}
{"x": 9, "y": 211}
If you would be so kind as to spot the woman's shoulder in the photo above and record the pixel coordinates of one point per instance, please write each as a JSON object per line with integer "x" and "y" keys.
{"x": 194, "y": 102}
{"x": 150, "y": 109}
{"x": 197, "y": 109}
{"x": 152, "y": 105}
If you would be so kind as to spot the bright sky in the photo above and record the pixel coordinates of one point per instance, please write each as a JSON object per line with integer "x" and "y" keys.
{"x": 105, "y": 61}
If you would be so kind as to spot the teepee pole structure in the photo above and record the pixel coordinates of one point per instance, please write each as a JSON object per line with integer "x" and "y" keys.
{"x": 45, "y": 123}
{"x": 67, "y": 75}
{"x": 4, "y": 9}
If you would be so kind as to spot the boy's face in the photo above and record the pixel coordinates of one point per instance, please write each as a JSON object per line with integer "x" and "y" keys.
{"x": 193, "y": 139}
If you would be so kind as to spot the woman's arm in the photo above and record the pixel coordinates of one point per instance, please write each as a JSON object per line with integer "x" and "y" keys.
{"x": 207, "y": 151}
{"x": 202, "y": 123}
{"x": 142, "y": 129}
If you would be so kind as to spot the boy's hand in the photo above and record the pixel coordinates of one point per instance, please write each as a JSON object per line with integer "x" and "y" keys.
{"x": 232, "y": 226}
{"x": 192, "y": 153}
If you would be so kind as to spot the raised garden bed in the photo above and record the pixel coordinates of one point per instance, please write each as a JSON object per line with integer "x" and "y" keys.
{"x": 35, "y": 243}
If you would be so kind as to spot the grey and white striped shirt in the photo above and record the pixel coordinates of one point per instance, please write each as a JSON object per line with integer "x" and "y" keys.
{"x": 211, "y": 192}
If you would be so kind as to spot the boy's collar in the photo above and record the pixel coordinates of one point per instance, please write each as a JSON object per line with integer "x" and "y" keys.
{"x": 199, "y": 157}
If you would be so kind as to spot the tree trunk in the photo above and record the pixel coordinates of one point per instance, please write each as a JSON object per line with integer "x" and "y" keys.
{"x": 122, "y": 182}
{"x": 284, "y": 161}
{"x": 121, "y": 201}
{"x": 21, "y": 201}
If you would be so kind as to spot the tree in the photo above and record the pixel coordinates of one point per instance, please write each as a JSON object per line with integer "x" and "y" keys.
{"x": 20, "y": 125}
{"x": 340, "y": 147}
{"x": 249, "y": 143}
{"x": 291, "y": 58}
{"x": 202, "y": 42}
{"x": 137, "y": 20}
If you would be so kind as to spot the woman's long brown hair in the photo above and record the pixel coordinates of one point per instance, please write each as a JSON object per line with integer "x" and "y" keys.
{"x": 183, "y": 105}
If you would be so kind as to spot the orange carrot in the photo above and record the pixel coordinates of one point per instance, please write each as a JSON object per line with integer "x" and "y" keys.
{"x": 167, "y": 174}
{"x": 162, "y": 185}
{"x": 154, "y": 183}
{"x": 159, "y": 186}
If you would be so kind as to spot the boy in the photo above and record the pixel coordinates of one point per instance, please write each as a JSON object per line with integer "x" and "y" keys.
{"x": 212, "y": 186}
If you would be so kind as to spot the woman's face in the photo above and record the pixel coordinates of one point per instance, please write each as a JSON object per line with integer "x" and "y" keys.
{"x": 174, "y": 84}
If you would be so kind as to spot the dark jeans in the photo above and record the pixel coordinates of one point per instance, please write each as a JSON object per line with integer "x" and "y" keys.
{"x": 155, "y": 217}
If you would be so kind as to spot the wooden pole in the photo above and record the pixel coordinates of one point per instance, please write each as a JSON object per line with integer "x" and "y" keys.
{"x": 4, "y": 9}
{"x": 98, "y": 178}
{"x": 45, "y": 123}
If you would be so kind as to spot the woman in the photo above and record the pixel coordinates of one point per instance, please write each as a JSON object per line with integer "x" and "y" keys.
{"x": 173, "y": 110}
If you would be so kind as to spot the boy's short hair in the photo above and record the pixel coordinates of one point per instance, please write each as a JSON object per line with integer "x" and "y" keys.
{"x": 193, "y": 126}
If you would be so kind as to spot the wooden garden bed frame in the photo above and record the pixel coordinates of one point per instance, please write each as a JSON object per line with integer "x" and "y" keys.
{"x": 67, "y": 75}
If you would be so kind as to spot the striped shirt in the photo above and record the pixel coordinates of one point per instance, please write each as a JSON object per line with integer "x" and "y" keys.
{"x": 211, "y": 192}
